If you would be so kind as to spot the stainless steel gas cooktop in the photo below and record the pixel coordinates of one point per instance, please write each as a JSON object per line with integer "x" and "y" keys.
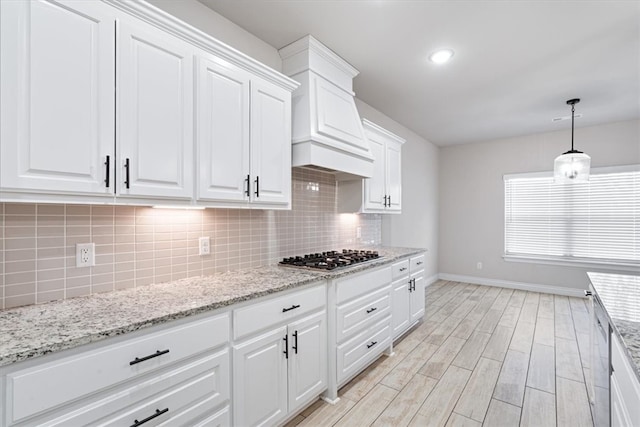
{"x": 331, "y": 260}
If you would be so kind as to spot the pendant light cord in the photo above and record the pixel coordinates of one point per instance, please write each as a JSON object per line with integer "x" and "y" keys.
{"x": 573, "y": 109}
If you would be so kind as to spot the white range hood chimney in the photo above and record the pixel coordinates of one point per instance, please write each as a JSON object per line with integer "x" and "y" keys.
{"x": 326, "y": 128}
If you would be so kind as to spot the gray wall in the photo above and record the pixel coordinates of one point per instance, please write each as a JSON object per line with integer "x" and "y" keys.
{"x": 417, "y": 225}
{"x": 216, "y": 25}
{"x": 471, "y": 201}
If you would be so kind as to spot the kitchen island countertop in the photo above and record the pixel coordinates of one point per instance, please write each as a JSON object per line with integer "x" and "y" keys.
{"x": 36, "y": 330}
{"x": 620, "y": 296}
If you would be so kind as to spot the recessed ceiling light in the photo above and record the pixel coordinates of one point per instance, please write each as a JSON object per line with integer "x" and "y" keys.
{"x": 441, "y": 56}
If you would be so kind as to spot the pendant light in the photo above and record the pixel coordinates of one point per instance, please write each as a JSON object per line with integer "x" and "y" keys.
{"x": 572, "y": 166}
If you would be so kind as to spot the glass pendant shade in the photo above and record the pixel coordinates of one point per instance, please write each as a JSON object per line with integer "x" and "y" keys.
{"x": 572, "y": 166}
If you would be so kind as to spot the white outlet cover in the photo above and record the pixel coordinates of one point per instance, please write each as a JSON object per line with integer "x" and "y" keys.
{"x": 85, "y": 254}
{"x": 204, "y": 245}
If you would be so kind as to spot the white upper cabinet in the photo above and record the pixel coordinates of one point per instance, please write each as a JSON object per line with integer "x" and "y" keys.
{"x": 155, "y": 97}
{"x": 375, "y": 197}
{"x": 57, "y": 77}
{"x": 223, "y": 131}
{"x": 270, "y": 144}
{"x": 244, "y": 138}
{"x": 393, "y": 162}
{"x": 382, "y": 193}
{"x": 97, "y": 105}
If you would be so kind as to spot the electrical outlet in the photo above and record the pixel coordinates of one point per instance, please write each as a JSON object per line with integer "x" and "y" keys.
{"x": 85, "y": 254}
{"x": 358, "y": 232}
{"x": 479, "y": 265}
{"x": 204, "y": 245}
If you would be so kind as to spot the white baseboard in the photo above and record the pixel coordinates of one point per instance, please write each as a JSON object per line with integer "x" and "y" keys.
{"x": 533, "y": 287}
{"x": 431, "y": 280}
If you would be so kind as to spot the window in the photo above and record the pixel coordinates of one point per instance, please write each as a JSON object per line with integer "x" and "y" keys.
{"x": 594, "y": 222}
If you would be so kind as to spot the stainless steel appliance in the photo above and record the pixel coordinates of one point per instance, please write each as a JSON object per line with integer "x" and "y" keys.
{"x": 331, "y": 260}
{"x": 600, "y": 362}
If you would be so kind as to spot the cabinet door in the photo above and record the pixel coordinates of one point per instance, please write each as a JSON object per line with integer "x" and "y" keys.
{"x": 260, "y": 380}
{"x": 308, "y": 359}
{"x": 400, "y": 306}
{"x": 270, "y": 144}
{"x": 394, "y": 176}
{"x": 223, "y": 131}
{"x": 417, "y": 297}
{"x": 619, "y": 414}
{"x": 374, "y": 187}
{"x": 155, "y": 113}
{"x": 57, "y": 103}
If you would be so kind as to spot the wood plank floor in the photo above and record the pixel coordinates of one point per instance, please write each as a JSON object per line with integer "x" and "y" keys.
{"x": 483, "y": 356}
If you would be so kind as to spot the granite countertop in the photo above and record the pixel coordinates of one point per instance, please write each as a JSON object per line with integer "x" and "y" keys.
{"x": 620, "y": 295}
{"x": 36, "y": 330}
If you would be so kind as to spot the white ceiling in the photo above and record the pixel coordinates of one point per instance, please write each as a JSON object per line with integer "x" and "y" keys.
{"x": 515, "y": 63}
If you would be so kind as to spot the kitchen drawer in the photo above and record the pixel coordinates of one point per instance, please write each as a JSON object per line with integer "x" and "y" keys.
{"x": 206, "y": 378}
{"x": 362, "y": 313}
{"x": 357, "y": 353}
{"x": 417, "y": 263}
{"x": 400, "y": 269}
{"x": 362, "y": 284}
{"x": 262, "y": 315}
{"x": 176, "y": 402}
{"x": 222, "y": 418}
{"x": 32, "y": 390}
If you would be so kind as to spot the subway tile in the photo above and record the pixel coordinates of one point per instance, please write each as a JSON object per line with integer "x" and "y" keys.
{"x": 142, "y": 281}
{"x": 124, "y": 266}
{"x": 12, "y": 232}
{"x": 125, "y": 211}
{"x": 77, "y": 292}
{"x": 78, "y": 282}
{"x": 100, "y": 279}
{"x": 124, "y": 238}
{"x": 19, "y": 209}
{"x": 51, "y": 285}
{"x": 144, "y": 264}
{"x": 19, "y": 255}
{"x": 50, "y": 242}
{"x": 107, "y": 286}
{"x": 102, "y": 269}
{"x": 50, "y": 274}
{"x": 19, "y": 301}
{"x": 125, "y": 284}
{"x": 50, "y": 221}
{"x": 19, "y": 278}
{"x": 21, "y": 289}
{"x": 50, "y": 263}
{"x": 78, "y": 210}
{"x": 163, "y": 278}
{"x": 47, "y": 209}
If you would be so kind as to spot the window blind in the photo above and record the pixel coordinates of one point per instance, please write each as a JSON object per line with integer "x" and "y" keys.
{"x": 597, "y": 221}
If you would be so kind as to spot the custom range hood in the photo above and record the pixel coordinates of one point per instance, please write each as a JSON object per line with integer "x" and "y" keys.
{"x": 326, "y": 127}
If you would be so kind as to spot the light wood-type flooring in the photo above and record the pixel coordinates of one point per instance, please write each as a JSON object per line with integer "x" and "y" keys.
{"x": 482, "y": 356}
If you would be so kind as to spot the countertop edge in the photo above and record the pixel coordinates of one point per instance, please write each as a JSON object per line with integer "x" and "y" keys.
{"x": 632, "y": 362}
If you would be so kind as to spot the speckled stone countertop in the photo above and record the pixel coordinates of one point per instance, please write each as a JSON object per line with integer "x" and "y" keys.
{"x": 620, "y": 295}
{"x": 36, "y": 330}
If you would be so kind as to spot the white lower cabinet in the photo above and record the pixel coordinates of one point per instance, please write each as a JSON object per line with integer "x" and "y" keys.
{"x": 260, "y": 379}
{"x": 407, "y": 293}
{"x": 625, "y": 388}
{"x": 278, "y": 370}
{"x": 360, "y": 327}
{"x": 178, "y": 375}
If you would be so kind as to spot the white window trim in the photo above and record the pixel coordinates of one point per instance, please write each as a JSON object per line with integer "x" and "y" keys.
{"x": 605, "y": 265}
{"x": 584, "y": 263}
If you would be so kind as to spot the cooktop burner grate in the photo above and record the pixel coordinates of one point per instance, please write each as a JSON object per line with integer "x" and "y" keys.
{"x": 331, "y": 260}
